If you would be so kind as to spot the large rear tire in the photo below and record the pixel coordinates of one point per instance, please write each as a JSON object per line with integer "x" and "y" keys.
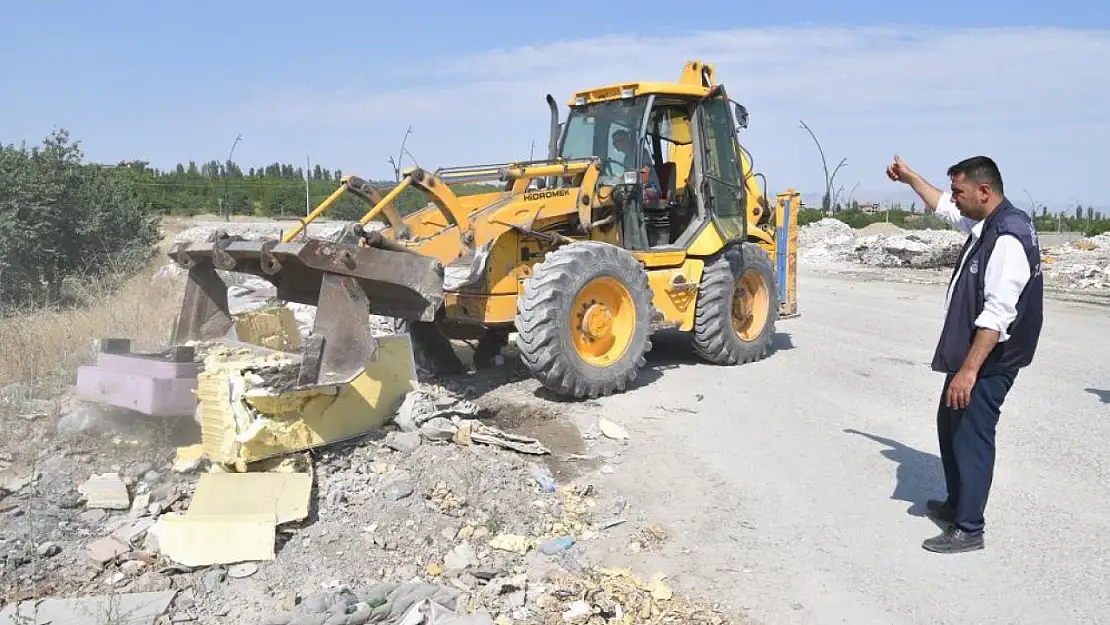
{"x": 737, "y": 306}
{"x": 584, "y": 320}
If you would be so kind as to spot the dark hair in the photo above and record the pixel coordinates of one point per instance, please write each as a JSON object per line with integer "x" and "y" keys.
{"x": 979, "y": 169}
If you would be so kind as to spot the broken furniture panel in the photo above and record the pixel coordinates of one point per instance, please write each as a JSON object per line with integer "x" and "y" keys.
{"x": 157, "y": 384}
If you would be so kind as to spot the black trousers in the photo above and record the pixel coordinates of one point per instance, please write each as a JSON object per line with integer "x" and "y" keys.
{"x": 967, "y": 447}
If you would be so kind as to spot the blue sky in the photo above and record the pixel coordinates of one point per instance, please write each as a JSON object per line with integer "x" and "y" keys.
{"x": 341, "y": 81}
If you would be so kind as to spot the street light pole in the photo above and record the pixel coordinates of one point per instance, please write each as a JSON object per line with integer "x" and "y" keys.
{"x": 227, "y": 174}
{"x": 824, "y": 164}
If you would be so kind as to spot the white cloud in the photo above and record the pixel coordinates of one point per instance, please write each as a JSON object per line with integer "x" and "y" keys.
{"x": 1027, "y": 96}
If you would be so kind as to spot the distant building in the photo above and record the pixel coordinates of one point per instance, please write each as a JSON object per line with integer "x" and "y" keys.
{"x": 870, "y": 208}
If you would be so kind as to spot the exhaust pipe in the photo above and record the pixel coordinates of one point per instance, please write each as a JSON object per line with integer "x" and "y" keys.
{"x": 553, "y": 141}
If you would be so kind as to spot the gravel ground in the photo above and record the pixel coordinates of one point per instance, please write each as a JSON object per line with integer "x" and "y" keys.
{"x": 796, "y": 485}
{"x": 825, "y": 530}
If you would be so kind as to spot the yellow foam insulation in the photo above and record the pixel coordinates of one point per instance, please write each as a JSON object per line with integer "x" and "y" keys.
{"x": 203, "y": 540}
{"x": 272, "y": 328}
{"x": 241, "y": 423}
{"x": 283, "y": 495}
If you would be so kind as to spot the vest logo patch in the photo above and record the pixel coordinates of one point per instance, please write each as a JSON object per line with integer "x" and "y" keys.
{"x": 974, "y": 266}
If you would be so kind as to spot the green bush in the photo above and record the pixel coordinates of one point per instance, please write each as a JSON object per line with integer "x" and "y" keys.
{"x": 62, "y": 220}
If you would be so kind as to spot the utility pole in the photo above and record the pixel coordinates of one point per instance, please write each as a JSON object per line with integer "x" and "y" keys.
{"x": 226, "y": 208}
{"x": 852, "y": 194}
{"x": 824, "y": 164}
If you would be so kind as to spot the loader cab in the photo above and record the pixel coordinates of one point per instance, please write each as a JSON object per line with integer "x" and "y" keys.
{"x": 679, "y": 174}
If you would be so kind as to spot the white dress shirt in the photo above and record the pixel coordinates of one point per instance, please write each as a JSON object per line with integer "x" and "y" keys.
{"x": 1007, "y": 271}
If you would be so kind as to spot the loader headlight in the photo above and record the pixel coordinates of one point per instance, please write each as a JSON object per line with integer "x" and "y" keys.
{"x": 627, "y": 92}
{"x": 630, "y": 177}
{"x": 580, "y": 100}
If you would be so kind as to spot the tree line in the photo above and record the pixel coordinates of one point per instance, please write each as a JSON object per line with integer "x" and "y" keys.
{"x": 64, "y": 219}
{"x": 1080, "y": 219}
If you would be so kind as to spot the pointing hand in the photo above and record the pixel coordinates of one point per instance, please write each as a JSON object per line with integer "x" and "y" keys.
{"x": 898, "y": 171}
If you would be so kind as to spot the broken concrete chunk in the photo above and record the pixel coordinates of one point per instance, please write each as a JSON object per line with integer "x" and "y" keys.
{"x": 511, "y": 542}
{"x": 612, "y": 430}
{"x": 105, "y": 550}
{"x": 461, "y": 557}
{"x": 93, "y": 517}
{"x": 137, "y": 608}
{"x": 404, "y": 442}
{"x": 15, "y": 477}
{"x": 106, "y": 492}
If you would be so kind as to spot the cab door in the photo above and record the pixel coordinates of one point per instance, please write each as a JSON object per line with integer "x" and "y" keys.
{"x": 722, "y": 185}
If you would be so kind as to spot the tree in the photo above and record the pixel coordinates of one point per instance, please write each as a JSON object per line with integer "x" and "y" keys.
{"x": 61, "y": 218}
{"x": 1079, "y": 212}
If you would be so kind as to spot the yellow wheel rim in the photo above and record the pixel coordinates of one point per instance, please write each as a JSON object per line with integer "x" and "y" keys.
{"x": 602, "y": 321}
{"x": 749, "y": 305}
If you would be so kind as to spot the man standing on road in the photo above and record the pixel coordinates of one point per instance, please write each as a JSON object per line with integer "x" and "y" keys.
{"x": 993, "y": 316}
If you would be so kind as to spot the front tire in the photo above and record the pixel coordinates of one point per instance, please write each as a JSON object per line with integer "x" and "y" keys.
{"x": 737, "y": 307}
{"x": 583, "y": 320}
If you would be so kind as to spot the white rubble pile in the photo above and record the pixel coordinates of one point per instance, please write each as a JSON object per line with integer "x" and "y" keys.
{"x": 1079, "y": 265}
{"x": 258, "y": 230}
{"x": 1083, "y": 265}
{"x": 831, "y": 240}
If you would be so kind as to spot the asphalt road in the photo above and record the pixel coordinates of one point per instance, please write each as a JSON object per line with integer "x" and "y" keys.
{"x": 795, "y": 486}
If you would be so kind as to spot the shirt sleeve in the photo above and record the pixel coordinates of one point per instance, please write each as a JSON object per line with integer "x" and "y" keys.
{"x": 1006, "y": 275}
{"x": 946, "y": 210}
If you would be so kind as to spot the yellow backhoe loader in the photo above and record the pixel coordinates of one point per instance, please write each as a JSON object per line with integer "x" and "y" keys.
{"x": 645, "y": 215}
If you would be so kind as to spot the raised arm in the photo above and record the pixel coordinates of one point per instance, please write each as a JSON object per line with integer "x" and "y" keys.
{"x": 936, "y": 201}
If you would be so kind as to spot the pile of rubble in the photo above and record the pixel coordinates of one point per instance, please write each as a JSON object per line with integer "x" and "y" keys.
{"x": 436, "y": 510}
{"x": 1082, "y": 265}
{"x": 831, "y": 241}
{"x": 435, "y": 519}
{"x": 1079, "y": 265}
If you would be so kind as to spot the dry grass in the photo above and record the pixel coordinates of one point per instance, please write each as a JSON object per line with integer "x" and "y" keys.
{"x": 45, "y": 345}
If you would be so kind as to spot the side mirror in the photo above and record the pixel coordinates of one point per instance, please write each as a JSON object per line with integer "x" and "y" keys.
{"x": 741, "y": 115}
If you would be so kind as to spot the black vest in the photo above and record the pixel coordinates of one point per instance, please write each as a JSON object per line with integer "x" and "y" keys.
{"x": 968, "y": 297}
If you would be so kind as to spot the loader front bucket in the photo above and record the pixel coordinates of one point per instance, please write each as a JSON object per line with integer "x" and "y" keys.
{"x": 345, "y": 281}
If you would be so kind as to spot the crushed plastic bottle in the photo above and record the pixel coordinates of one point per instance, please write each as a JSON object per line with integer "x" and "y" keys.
{"x": 556, "y": 545}
{"x": 544, "y": 479}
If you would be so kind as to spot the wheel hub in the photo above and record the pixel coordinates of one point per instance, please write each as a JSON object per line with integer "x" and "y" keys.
{"x": 749, "y": 303}
{"x": 597, "y": 321}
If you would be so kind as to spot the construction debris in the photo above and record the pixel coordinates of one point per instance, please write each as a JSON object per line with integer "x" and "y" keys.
{"x": 833, "y": 241}
{"x": 140, "y": 608}
{"x": 437, "y": 416}
{"x": 249, "y": 412}
{"x": 1082, "y": 265}
{"x": 234, "y": 518}
{"x": 106, "y": 492}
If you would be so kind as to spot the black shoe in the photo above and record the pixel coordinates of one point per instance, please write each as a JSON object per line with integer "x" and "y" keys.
{"x": 954, "y": 540}
{"x": 941, "y": 510}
